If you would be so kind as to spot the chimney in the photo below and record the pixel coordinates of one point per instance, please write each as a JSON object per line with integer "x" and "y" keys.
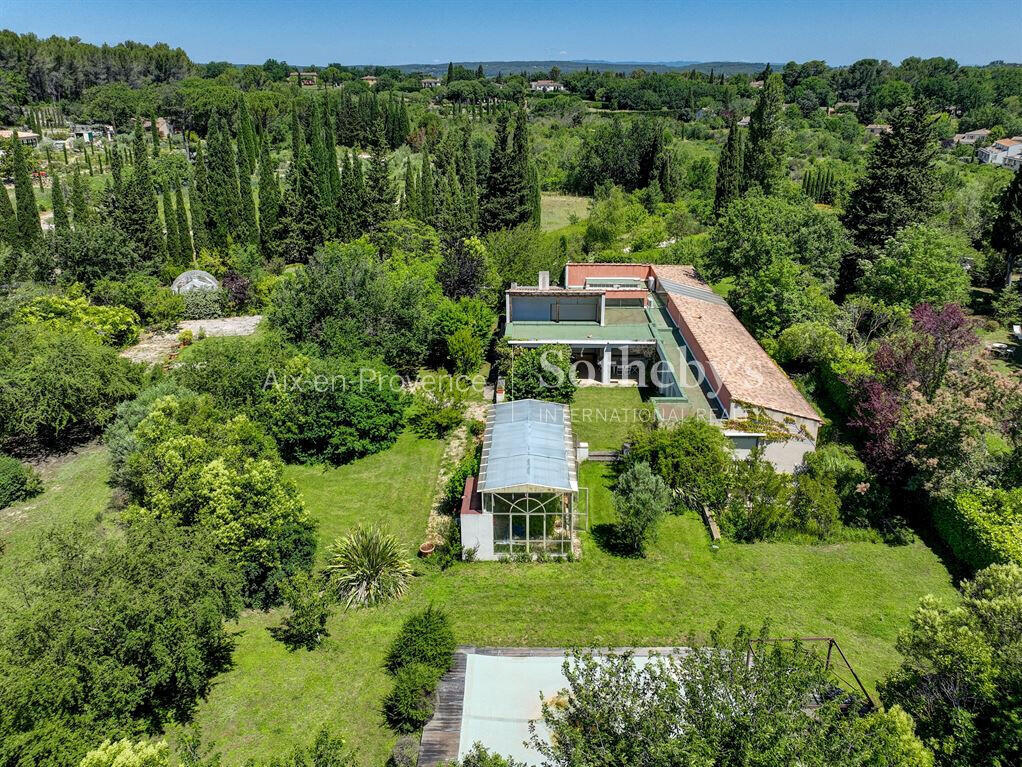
{"x": 544, "y": 280}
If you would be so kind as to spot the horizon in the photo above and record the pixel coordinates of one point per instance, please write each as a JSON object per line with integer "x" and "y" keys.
{"x": 431, "y": 32}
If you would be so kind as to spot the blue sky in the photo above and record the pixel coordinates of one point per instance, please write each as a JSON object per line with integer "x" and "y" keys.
{"x": 426, "y": 31}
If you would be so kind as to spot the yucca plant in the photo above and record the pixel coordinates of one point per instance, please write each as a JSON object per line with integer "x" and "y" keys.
{"x": 367, "y": 567}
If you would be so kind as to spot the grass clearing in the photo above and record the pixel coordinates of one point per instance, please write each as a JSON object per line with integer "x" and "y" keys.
{"x": 558, "y": 209}
{"x": 604, "y": 416}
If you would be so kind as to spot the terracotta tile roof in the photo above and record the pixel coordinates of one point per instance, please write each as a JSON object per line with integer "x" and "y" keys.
{"x": 745, "y": 369}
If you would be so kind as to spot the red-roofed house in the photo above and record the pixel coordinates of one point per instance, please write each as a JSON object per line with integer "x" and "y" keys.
{"x": 546, "y": 86}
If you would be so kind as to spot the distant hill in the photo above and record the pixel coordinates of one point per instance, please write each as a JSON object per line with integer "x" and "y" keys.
{"x": 491, "y": 68}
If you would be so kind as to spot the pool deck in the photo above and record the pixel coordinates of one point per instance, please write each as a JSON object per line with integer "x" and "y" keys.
{"x": 441, "y": 737}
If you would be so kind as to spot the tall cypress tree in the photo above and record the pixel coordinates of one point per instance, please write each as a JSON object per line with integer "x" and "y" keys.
{"x": 300, "y": 226}
{"x": 30, "y": 231}
{"x": 116, "y": 172}
{"x": 297, "y": 137}
{"x": 184, "y": 234}
{"x": 8, "y": 222}
{"x": 493, "y": 213}
{"x": 764, "y": 157}
{"x": 520, "y": 168}
{"x": 197, "y": 202}
{"x": 450, "y": 73}
{"x": 61, "y": 222}
{"x": 269, "y": 197}
{"x": 320, "y": 160}
{"x": 410, "y": 197}
{"x": 249, "y": 228}
{"x": 379, "y": 190}
{"x": 1007, "y": 230}
{"x": 155, "y": 131}
{"x": 246, "y": 132}
{"x": 897, "y": 189}
{"x": 174, "y": 253}
{"x": 469, "y": 183}
{"x": 221, "y": 196}
{"x": 729, "y": 167}
{"x": 138, "y": 212}
{"x": 427, "y": 189}
{"x": 535, "y": 197}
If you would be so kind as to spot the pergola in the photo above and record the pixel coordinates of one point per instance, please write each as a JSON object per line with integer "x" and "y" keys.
{"x": 527, "y": 477}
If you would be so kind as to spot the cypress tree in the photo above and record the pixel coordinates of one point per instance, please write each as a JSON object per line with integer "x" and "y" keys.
{"x": 184, "y": 234}
{"x": 898, "y": 188}
{"x": 138, "y": 211}
{"x": 88, "y": 160}
{"x": 30, "y": 231}
{"x": 299, "y": 227}
{"x": 115, "y": 171}
{"x": 197, "y": 201}
{"x": 1006, "y": 235}
{"x": 61, "y": 222}
{"x": 320, "y": 159}
{"x": 535, "y": 197}
{"x": 66, "y": 161}
{"x": 297, "y": 139}
{"x": 269, "y": 197}
{"x": 246, "y": 132}
{"x": 427, "y": 189}
{"x": 155, "y": 133}
{"x": 410, "y": 198}
{"x": 221, "y": 197}
{"x": 174, "y": 253}
{"x": 79, "y": 200}
{"x": 8, "y": 221}
{"x": 249, "y": 228}
{"x": 729, "y": 180}
{"x": 450, "y": 73}
{"x": 330, "y": 137}
{"x": 763, "y": 161}
{"x": 379, "y": 190}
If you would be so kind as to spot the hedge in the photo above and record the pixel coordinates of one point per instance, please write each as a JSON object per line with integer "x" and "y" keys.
{"x": 17, "y": 481}
{"x": 983, "y": 526}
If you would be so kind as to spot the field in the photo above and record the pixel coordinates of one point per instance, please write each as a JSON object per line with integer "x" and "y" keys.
{"x": 557, "y": 209}
{"x": 859, "y": 593}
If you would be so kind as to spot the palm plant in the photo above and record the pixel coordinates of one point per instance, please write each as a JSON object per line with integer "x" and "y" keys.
{"x": 367, "y": 567}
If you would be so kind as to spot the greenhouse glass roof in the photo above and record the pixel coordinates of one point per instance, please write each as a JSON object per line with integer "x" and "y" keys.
{"x": 528, "y": 447}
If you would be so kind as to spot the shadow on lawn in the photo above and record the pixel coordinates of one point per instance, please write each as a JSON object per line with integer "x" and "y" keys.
{"x": 608, "y": 536}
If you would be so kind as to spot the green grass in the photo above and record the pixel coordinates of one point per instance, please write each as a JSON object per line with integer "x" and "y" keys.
{"x": 557, "y": 209}
{"x": 604, "y": 416}
{"x": 860, "y": 593}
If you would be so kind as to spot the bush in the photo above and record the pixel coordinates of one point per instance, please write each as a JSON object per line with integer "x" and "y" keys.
{"x": 17, "y": 481}
{"x": 368, "y": 567}
{"x": 814, "y": 505}
{"x": 983, "y": 526}
{"x": 156, "y": 305}
{"x": 405, "y": 752}
{"x": 541, "y": 373}
{"x": 464, "y": 351}
{"x": 204, "y": 304}
{"x": 305, "y": 626}
{"x": 426, "y": 637}
{"x": 759, "y": 504}
{"x": 115, "y": 325}
{"x": 641, "y": 498}
{"x": 438, "y": 407}
{"x": 185, "y": 337}
{"x": 411, "y": 702}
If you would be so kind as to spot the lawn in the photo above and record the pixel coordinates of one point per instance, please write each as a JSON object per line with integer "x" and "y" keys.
{"x": 604, "y": 416}
{"x": 557, "y": 210}
{"x": 860, "y": 593}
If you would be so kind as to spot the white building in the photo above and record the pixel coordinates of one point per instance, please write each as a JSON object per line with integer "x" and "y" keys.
{"x": 546, "y": 86}
{"x": 1002, "y": 152}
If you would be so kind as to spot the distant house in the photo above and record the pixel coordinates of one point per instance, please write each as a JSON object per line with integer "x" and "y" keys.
{"x": 89, "y": 133}
{"x": 431, "y": 82}
{"x": 24, "y": 137}
{"x": 969, "y": 138}
{"x": 546, "y": 86}
{"x": 305, "y": 79}
{"x": 371, "y": 80}
{"x": 877, "y": 129}
{"x": 1002, "y": 152}
{"x": 757, "y": 84}
{"x": 163, "y": 128}
{"x": 744, "y": 122}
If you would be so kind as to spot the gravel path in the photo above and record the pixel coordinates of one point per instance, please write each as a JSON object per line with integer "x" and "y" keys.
{"x": 155, "y": 348}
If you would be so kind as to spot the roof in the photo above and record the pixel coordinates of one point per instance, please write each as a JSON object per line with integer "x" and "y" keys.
{"x": 7, "y": 133}
{"x": 1008, "y": 142}
{"x": 528, "y": 447}
{"x": 745, "y": 369}
{"x": 579, "y": 332}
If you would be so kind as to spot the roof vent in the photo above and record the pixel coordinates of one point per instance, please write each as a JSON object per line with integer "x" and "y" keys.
{"x": 544, "y": 280}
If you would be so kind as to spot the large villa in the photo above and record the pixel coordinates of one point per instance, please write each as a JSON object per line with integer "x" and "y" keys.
{"x": 660, "y": 328}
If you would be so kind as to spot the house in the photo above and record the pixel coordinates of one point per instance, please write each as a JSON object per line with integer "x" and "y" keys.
{"x": 305, "y": 79}
{"x": 89, "y": 133}
{"x": 969, "y": 138}
{"x": 744, "y": 122}
{"x": 546, "y": 86}
{"x": 876, "y": 129}
{"x": 757, "y": 84}
{"x": 1001, "y": 152}
{"x": 662, "y": 328}
{"x": 525, "y": 499}
{"x": 28, "y": 138}
{"x": 163, "y": 128}
{"x": 431, "y": 82}
{"x": 371, "y": 80}
{"x": 1014, "y": 162}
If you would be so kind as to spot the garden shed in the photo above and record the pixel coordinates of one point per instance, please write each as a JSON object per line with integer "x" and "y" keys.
{"x": 525, "y": 500}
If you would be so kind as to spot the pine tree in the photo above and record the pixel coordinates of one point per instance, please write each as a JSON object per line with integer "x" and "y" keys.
{"x": 8, "y": 222}
{"x": 379, "y": 190}
{"x": 269, "y": 197}
{"x": 249, "y": 231}
{"x": 174, "y": 253}
{"x": 897, "y": 189}
{"x": 763, "y": 160}
{"x": 1007, "y": 230}
{"x": 61, "y": 222}
{"x": 184, "y": 234}
{"x": 221, "y": 196}
{"x": 30, "y": 231}
{"x": 427, "y": 189}
{"x": 729, "y": 168}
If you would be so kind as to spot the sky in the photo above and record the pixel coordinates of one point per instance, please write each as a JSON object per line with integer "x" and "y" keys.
{"x": 304, "y": 32}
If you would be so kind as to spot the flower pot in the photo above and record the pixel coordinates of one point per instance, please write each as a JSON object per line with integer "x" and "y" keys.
{"x": 427, "y": 549}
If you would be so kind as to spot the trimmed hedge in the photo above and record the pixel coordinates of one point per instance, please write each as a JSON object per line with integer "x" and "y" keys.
{"x": 983, "y": 526}
{"x": 411, "y": 703}
{"x": 17, "y": 481}
{"x": 426, "y": 638}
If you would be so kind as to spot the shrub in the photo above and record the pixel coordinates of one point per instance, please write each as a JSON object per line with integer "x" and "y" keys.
{"x": 185, "y": 337}
{"x": 464, "y": 351}
{"x": 156, "y": 305}
{"x": 204, "y": 304}
{"x": 983, "y": 526}
{"x": 411, "y": 702}
{"x": 426, "y": 637}
{"x": 438, "y": 407}
{"x": 17, "y": 481}
{"x": 405, "y": 752}
{"x": 541, "y": 373}
{"x": 305, "y": 626}
{"x": 368, "y": 567}
{"x": 814, "y": 505}
{"x": 759, "y": 504}
{"x": 454, "y": 489}
{"x": 115, "y": 325}
{"x": 641, "y": 498}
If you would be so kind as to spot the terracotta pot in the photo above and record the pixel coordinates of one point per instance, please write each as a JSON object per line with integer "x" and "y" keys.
{"x": 426, "y": 549}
